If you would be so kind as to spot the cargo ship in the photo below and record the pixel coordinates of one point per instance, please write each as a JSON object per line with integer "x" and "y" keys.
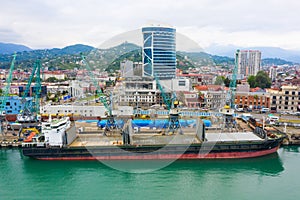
{"x": 230, "y": 138}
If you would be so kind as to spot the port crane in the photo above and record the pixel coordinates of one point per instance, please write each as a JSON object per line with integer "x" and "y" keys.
{"x": 5, "y": 95}
{"x": 31, "y": 110}
{"x": 110, "y": 117}
{"x": 171, "y": 104}
{"x": 228, "y": 110}
{"x": 230, "y": 98}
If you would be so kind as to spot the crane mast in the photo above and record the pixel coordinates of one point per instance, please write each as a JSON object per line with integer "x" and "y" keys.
{"x": 232, "y": 86}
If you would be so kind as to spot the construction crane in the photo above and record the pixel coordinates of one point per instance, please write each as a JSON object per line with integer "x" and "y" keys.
{"x": 110, "y": 118}
{"x": 31, "y": 110}
{"x": 6, "y": 93}
{"x": 230, "y": 99}
{"x": 171, "y": 104}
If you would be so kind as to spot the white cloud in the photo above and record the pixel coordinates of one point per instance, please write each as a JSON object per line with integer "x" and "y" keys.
{"x": 56, "y": 23}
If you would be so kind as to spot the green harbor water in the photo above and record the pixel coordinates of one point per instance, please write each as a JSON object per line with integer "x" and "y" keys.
{"x": 276, "y": 176}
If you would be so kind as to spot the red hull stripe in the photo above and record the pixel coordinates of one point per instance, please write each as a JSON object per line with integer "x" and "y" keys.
{"x": 224, "y": 155}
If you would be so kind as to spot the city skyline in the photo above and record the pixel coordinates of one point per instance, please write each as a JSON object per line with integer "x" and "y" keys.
{"x": 248, "y": 23}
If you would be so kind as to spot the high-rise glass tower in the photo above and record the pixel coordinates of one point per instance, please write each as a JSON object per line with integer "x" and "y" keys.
{"x": 159, "y": 52}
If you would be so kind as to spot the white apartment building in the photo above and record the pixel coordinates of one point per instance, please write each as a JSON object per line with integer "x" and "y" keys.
{"x": 249, "y": 62}
{"x": 273, "y": 73}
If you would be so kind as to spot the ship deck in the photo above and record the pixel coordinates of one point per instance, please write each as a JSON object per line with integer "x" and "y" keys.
{"x": 159, "y": 139}
{"x": 243, "y": 133}
{"x": 232, "y": 137}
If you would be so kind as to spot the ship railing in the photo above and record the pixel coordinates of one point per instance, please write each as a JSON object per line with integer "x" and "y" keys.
{"x": 33, "y": 144}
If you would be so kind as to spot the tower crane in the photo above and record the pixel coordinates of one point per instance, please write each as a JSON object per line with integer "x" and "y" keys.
{"x": 6, "y": 93}
{"x": 31, "y": 110}
{"x": 110, "y": 118}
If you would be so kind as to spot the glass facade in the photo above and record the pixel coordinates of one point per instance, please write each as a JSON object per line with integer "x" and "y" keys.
{"x": 159, "y": 52}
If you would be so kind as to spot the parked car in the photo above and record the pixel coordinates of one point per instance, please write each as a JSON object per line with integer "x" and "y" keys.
{"x": 265, "y": 110}
{"x": 296, "y": 113}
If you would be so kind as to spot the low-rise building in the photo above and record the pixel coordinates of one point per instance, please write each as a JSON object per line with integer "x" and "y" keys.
{"x": 192, "y": 100}
{"x": 287, "y": 99}
{"x": 214, "y": 96}
{"x": 55, "y": 74}
{"x": 137, "y": 92}
{"x": 252, "y": 100}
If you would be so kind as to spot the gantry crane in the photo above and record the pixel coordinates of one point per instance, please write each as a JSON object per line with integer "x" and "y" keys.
{"x": 31, "y": 110}
{"x": 5, "y": 95}
{"x": 110, "y": 117}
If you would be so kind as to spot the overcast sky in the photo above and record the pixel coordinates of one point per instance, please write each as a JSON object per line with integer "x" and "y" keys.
{"x": 57, "y": 23}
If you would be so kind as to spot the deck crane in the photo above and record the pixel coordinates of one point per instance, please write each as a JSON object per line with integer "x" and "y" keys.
{"x": 31, "y": 110}
{"x": 110, "y": 118}
{"x": 6, "y": 93}
{"x": 171, "y": 104}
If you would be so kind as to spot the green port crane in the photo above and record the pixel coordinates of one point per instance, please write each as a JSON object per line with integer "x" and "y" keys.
{"x": 110, "y": 118}
{"x": 31, "y": 109}
{"x": 166, "y": 99}
{"x": 6, "y": 93}
{"x": 171, "y": 104}
{"x": 8, "y": 83}
{"x": 230, "y": 99}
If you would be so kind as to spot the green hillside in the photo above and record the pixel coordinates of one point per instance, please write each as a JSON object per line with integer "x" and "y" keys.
{"x": 109, "y": 59}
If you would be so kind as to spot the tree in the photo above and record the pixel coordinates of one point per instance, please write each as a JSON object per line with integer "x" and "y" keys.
{"x": 51, "y": 79}
{"x": 251, "y": 81}
{"x": 227, "y": 82}
{"x": 262, "y": 80}
{"x": 219, "y": 80}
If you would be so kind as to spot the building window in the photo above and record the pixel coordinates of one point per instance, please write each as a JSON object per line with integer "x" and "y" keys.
{"x": 293, "y": 93}
{"x": 181, "y": 83}
{"x": 286, "y": 92}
